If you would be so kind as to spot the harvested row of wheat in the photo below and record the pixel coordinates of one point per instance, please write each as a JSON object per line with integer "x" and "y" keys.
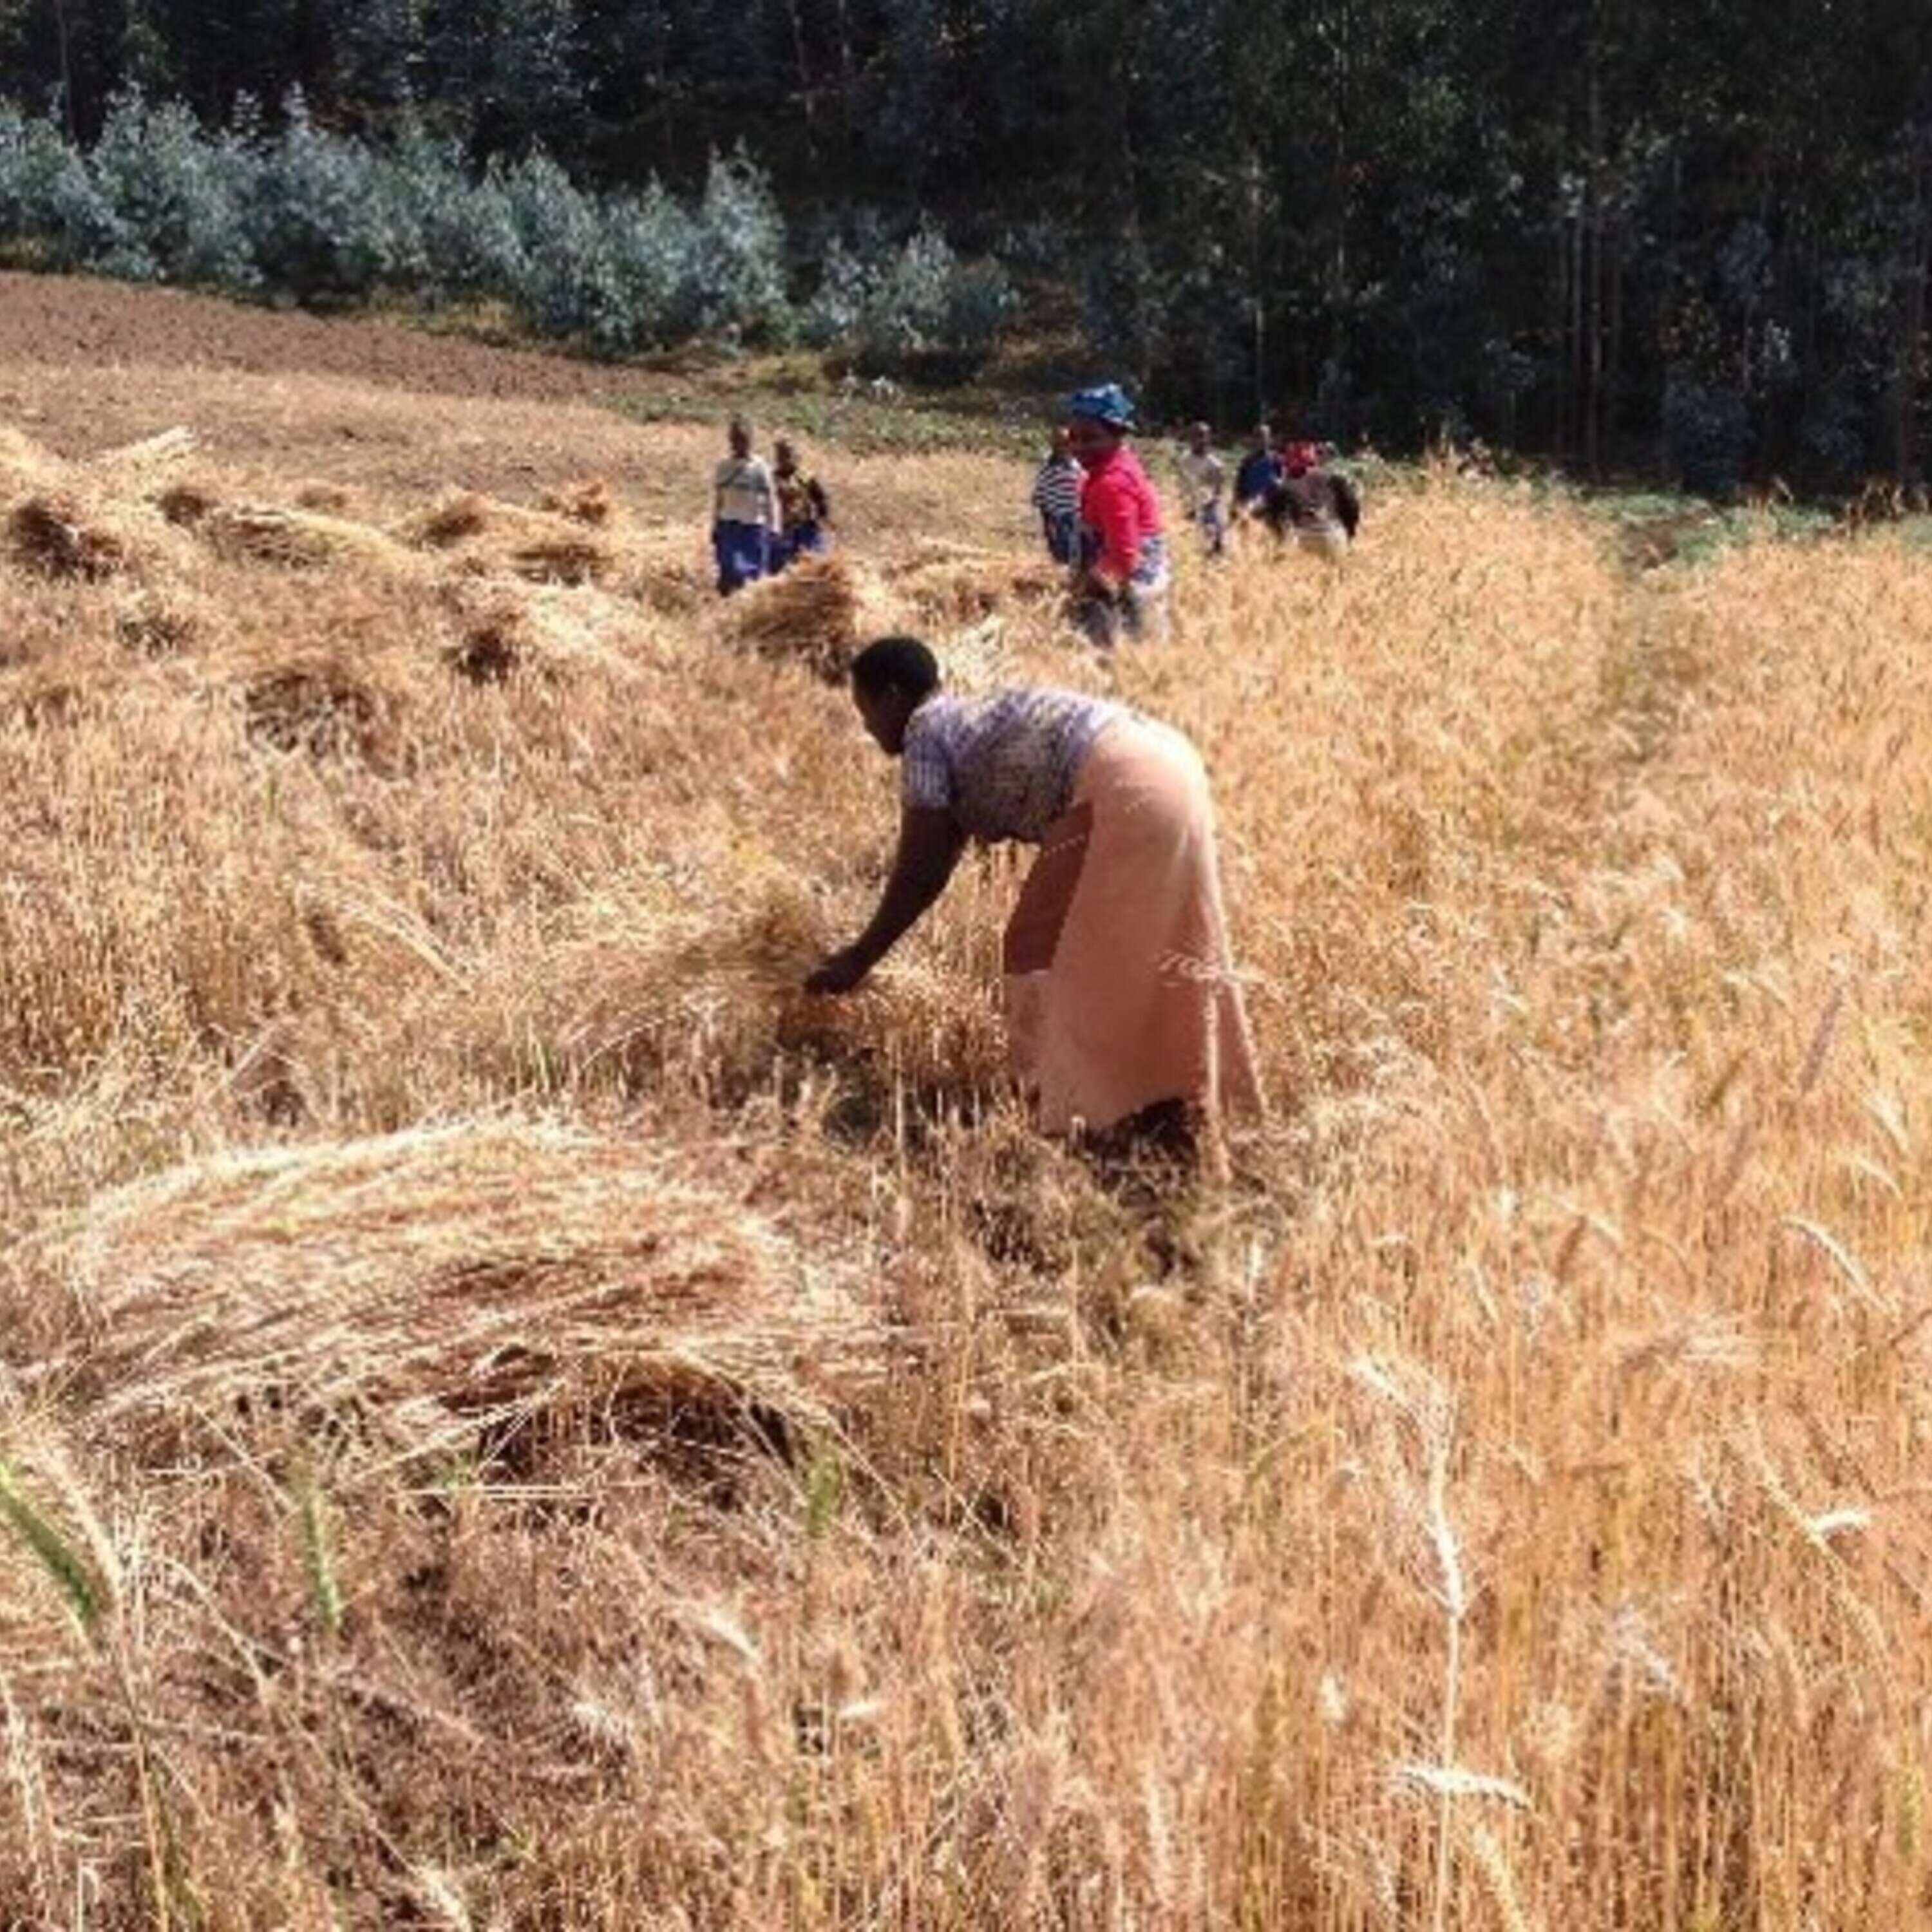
{"x": 427, "y": 1283}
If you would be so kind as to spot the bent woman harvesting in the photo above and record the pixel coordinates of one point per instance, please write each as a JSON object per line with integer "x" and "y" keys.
{"x": 1120, "y": 994}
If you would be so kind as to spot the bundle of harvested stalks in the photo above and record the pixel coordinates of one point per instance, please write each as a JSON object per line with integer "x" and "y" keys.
{"x": 136, "y": 468}
{"x": 332, "y": 499}
{"x": 718, "y": 1001}
{"x": 588, "y": 502}
{"x": 560, "y": 558}
{"x": 25, "y": 466}
{"x": 159, "y": 625}
{"x": 451, "y": 519}
{"x": 320, "y": 706}
{"x": 491, "y": 646}
{"x": 537, "y": 544}
{"x": 298, "y": 539}
{"x": 186, "y": 502}
{"x": 64, "y": 536}
{"x": 428, "y": 1289}
{"x": 962, "y": 589}
{"x": 502, "y": 629}
{"x": 810, "y": 614}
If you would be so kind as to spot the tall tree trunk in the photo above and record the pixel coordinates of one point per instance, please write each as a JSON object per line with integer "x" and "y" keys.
{"x": 797, "y": 16}
{"x": 848, "y": 85}
{"x": 66, "y": 67}
{"x": 1590, "y": 296}
{"x": 1560, "y": 334}
{"x": 1910, "y": 354}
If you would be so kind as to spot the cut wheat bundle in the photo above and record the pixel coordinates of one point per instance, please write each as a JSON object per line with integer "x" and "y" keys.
{"x": 75, "y": 534}
{"x": 810, "y": 614}
{"x": 186, "y": 500}
{"x": 299, "y": 539}
{"x": 504, "y": 629}
{"x": 138, "y": 469}
{"x": 318, "y": 703}
{"x": 26, "y": 467}
{"x": 423, "y": 1286}
{"x": 453, "y": 518}
{"x": 63, "y": 535}
{"x": 585, "y": 502}
{"x": 951, "y": 584}
{"x": 715, "y": 996}
{"x": 540, "y": 545}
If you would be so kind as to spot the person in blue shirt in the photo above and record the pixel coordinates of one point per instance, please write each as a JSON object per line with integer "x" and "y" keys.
{"x": 1260, "y": 470}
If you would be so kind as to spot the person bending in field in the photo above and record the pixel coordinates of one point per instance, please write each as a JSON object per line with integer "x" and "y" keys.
{"x": 805, "y": 513}
{"x": 1056, "y": 496}
{"x": 1121, "y": 1005}
{"x": 744, "y": 513}
{"x": 1120, "y": 588}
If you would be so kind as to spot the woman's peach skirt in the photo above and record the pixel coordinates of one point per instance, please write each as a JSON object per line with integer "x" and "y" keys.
{"x": 1120, "y": 992}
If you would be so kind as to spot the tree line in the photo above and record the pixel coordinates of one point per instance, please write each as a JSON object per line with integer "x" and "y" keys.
{"x": 1691, "y": 239}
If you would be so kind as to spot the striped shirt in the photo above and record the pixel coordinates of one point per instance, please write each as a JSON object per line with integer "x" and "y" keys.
{"x": 1003, "y": 766}
{"x": 1056, "y": 490}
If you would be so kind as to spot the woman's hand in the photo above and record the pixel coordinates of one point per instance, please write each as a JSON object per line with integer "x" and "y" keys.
{"x": 839, "y": 973}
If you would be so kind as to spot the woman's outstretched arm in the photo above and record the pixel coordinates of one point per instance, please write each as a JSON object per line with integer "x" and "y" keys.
{"x": 929, "y": 849}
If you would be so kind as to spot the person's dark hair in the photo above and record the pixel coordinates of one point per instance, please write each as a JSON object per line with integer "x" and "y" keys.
{"x": 896, "y": 664}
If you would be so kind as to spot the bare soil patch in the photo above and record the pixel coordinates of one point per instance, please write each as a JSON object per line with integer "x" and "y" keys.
{"x": 69, "y": 318}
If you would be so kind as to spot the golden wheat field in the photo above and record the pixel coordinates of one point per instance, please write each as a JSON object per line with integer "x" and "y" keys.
{"x": 511, "y": 1416}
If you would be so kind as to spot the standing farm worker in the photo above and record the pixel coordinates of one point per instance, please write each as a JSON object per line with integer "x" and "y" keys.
{"x": 1121, "y": 587}
{"x": 744, "y": 513}
{"x": 1121, "y": 999}
{"x": 1202, "y": 473}
{"x": 804, "y": 513}
{"x": 1260, "y": 470}
{"x": 1056, "y": 496}
{"x": 1314, "y": 503}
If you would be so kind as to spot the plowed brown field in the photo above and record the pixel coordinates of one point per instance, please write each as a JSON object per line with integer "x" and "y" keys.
{"x": 60, "y": 318}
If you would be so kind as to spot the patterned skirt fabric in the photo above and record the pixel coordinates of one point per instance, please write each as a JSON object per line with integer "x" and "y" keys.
{"x": 1120, "y": 991}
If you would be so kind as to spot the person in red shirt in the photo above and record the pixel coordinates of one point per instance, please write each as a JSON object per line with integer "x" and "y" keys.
{"x": 1120, "y": 588}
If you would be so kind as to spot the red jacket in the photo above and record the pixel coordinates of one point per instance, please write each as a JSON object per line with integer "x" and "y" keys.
{"x": 1118, "y": 504}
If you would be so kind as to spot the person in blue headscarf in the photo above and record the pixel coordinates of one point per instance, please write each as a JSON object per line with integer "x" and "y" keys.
{"x": 1120, "y": 586}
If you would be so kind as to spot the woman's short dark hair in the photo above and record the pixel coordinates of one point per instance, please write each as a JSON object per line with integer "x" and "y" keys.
{"x": 896, "y": 664}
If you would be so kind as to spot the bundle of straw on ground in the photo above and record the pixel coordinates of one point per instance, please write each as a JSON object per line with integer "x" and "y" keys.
{"x": 585, "y": 502}
{"x": 88, "y": 521}
{"x": 187, "y": 500}
{"x": 26, "y": 465}
{"x": 320, "y": 705}
{"x": 811, "y": 614}
{"x": 427, "y": 1290}
{"x": 545, "y": 547}
{"x": 300, "y": 540}
{"x": 948, "y": 584}
{"x": 142, "y": 468}
{"x": 62, "y": 536}
{"x": 662, "y": 989}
